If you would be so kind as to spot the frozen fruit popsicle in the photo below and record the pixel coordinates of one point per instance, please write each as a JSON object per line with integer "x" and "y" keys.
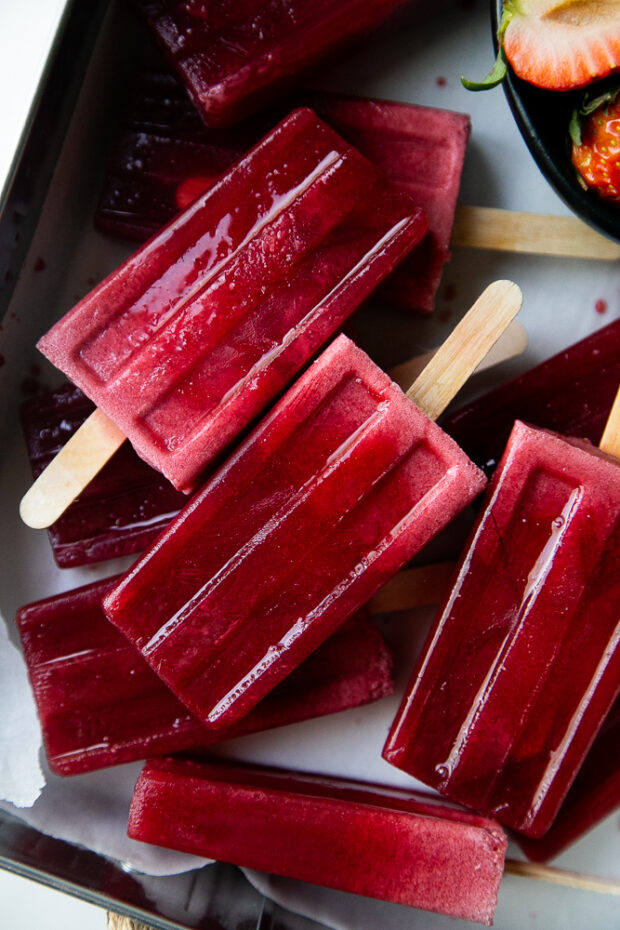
{"x": 342, "y": 483}
{"x": 185, "y": 343}
{"x": 232, "y": 57}
{"x": 523, "y": 662}
{"x": 121, "y": 511}
{"x": 386, "y": 843}
{"x": 100, "y": 704}
{"x": 163, "y": 157}
{"x": 571, "y": 393}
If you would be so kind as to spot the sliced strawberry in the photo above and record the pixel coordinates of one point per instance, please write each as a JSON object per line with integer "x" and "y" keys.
{"x": 562, "y": 45}
{"x": 595, "y": 131}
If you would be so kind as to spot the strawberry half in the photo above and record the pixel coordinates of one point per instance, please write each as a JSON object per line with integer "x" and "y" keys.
{"x": 595, "y": 134}
{"x": 556, "y": 45}
{"x": 562, "y": 45}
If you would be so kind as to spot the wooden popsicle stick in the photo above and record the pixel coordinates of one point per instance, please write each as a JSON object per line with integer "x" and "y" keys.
{"x": 465, "y": 347}
{"x": 547, "y": 873}
{"x": 530, "y": 233}
{"x": 66, "y": 476}
{"x": 117, "y": 922}
{"x": 610, "y": 441}
{"x": 413, "y": 587}
{"x": 511, "y": 343}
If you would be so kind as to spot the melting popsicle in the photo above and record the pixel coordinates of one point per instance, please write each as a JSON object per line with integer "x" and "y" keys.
{"x": 372, "y": 840}
{"x": 340, "y": 485}
{"x": 163, "y": 157}
{"x": 523, "y": 662}
{"x": 185, "y": 343}
{"x": 100, "y": 704}
{"x": 232, "y": 57}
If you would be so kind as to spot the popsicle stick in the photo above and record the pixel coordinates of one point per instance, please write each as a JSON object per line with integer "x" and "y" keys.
{"x": 465, "y": 347}
{"x": 547, "y": 873}
{"x": 610, "y": 441}
{"x": 510, "y": 344}
{"x": 531, "y": 233}
{"x": 74, "y": 467}
{"x": 413, "y": 587}
{"x": 117, "y": 922}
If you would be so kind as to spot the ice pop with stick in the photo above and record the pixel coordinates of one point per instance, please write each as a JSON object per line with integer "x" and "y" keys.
{"x": 523, "y": 663}
{"x": 340, "y": 485}
{"x": 186, "y": 343}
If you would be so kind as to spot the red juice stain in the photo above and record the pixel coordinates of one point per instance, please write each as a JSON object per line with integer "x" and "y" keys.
{"x": 449, "y": 292}
{"x": 2, "y": 360}
{"x": 441, "y": 81}
{"x": 39, "y": 265}
{"x": 601, "y": 306}
{"x": 91, "y": 281}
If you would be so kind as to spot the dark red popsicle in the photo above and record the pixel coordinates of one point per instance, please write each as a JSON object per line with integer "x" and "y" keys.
{"x": 386, "y": 843}
{"x": 340, "y": 485}
{"x": 163, "y": 157}
{"x": 233, "y": 57}
{"x": 197, "y": 332}
{"x": 523, "y": 662}
{"x": 100, "y": 704}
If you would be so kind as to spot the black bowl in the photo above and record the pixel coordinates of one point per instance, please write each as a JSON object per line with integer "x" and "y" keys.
{"x": 543, "y": 117}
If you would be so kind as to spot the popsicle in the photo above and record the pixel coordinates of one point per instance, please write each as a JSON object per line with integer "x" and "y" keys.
{"x": 163, "y": 157}
{"x": 341, "y": 483}
{"x": 523, "y": 663}
{"x": 232, "y": 57}
{"x": 100, "y": 704}
{"x": 570, "y": 393}
{"x": 121, "y": 511}
{"x": 372, "y": 840}
{"x": 185, "y": 343}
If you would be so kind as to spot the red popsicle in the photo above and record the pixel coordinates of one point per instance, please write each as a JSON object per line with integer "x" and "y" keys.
{"x": 342, "y": 483}
{"x": 232, "y": 57}
{"x": 185, "y": 343}
{"x": 523, "y": 662}
{"x": 386, "y": 843}
{"x": 100, "y": 704}
{"x": 163, "y": 157}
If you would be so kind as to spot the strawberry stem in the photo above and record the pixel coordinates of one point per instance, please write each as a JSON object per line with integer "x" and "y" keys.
{"x": 495, "y": 76}
{"x": 499, "y": 70}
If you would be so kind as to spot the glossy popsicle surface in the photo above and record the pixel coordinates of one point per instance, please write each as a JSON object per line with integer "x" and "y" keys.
{"x": 192, "y": 336}
{"x": 523, "y": 662}
{"x": 163, "y": 157}
{"x": 100, "y": 704}
{"x": 386, "y": 843}
{"x": 342, "y": 483}
{"x": 121, "y": 511}
{"x": 232, "y": 57}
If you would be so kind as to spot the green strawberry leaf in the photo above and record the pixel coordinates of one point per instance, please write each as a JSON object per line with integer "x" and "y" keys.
{"x": 495, "y": 76}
